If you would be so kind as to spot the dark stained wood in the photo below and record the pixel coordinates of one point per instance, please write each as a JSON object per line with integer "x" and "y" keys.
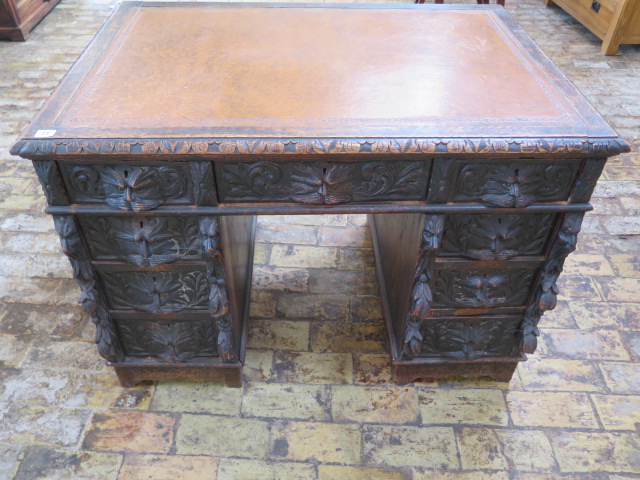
{"x": 238, "y": 234}
{"x": 17, "y": 18}
{"x": 397, "y": 239}
{"x": 498, "y": 371}
{"x": 475, "y": 195}
{"x": 132, "y": 374}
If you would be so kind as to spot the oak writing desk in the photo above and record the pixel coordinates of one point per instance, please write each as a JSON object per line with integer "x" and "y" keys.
{"x": 473, "y": 156}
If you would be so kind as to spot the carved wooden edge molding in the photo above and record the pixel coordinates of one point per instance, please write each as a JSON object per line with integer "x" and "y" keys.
{"x": 421, "y": 295}
{"x": 218, "y": 298}
{"x": 545, "y": 297}
{"x": 225, "y": 146}
{"x": 92, "y": 298}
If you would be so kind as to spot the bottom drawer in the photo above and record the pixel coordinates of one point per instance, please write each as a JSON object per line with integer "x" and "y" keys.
{"x": 170, "y": 341}
{"x": 470, "y": 338}
{"x": 161, "y": 292}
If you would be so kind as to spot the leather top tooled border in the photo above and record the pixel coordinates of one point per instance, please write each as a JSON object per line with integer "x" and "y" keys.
{"x": 604, "y": 147}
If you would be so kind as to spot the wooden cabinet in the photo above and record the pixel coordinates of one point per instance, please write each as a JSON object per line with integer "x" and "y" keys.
{"x": 475, "y": 195}
{"x": 616, "y": 22}
{"x": 18, "y": 17}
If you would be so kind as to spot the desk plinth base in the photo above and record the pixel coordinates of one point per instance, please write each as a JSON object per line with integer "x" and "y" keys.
{"x": 227, "y": 374}
{"x": 404, "y": 373}
{"x": 402, "y": 260}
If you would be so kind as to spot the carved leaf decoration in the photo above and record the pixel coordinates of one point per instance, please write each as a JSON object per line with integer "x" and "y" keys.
{"x": 317, "y": 184}
{"x": 173, "y": 343}
{"x": 472, "y": 179}
{"x": 161, "y": 292}
{"x": 412, "y": 339}
{"x": 478, "y": 289}
{"x": 530, "y": 334}
{"x": 218, "y": 301}
{"x": 514, "y": 185}
{"x": 51, "y": 182}
{"x": 377, "y": 178}
{"x": 463, "y": 340}
{"x": 106, "y": 336}
{"x": 91, "y": 299}
{"x": 421, "y": 298}
{"x": 203, "y": 183}
{"x": 194, "y": 291}
{"x": 134, "y": 189}
{"x": 253, "y": 180}
{"x": 172, "y": 182}
{"x": 455, "y": 235}
{"x": 86, "y": 180}
{"x": 226, "y": 347}
{"x": 439, "y": 180}
{"x": 101, "y": 236}
{"x": 556, "y": 178}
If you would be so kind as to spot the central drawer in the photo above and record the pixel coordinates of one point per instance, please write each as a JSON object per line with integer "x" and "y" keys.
{"x": 322, "y": 183}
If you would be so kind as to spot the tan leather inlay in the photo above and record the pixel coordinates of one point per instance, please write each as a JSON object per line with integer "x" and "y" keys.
{"x": 304, "y": 71}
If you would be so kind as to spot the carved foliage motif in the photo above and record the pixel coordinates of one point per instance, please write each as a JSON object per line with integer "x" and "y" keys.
{"x": 468, "y": 340}
{"x": 515, "y": 184}
{"x": 51, "y": 181}
{"x": 256, "y": 146}
{"x": 496, "y": 236}
{"x": 170, "y": 342}
{"x": 203, "y": 183}
{"x": 142, "y": 241}
{"x": 126, "y": 187}
{"x": 253, "y": 181}
{"x": 322, "y": 183}
{"x": 218, "y": 298}
{"x": 481, "y": 288}
{"x": 545, "y": 297}
{"x": 91, "y": 298}
{"x": 156, "y": 292}
{"x": 586, "y": 182}
{"x": 421, "y": 295}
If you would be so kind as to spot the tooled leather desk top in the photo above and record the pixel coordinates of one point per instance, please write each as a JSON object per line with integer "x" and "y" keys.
{"x": 186, "y": 71}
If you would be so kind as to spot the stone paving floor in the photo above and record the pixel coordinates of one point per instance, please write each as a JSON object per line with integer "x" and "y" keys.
{"x": 321, "y": 405}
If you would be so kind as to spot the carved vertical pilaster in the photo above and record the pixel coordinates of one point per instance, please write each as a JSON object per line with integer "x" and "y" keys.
{"x": 545, "y": 297}
{"x": 204, "y": 186}
{"x": 586, "y": 181}
{"x": 92, "y": 298}
{"x": 51, "y": 181}
{"x": 421, "y": 295}
{"x": 218, "y": 297}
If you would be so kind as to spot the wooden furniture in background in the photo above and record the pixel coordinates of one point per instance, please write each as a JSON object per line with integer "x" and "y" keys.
{"x": 18, "y": 17}
{"x": 480, "y": 2}
{"x": 616, "y": 22}
{"x": 181, "y": 122}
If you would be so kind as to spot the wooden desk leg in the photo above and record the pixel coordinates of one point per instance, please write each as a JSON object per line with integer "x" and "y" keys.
{"x": 406, "y": 247}
{"x": 227, "y": 247}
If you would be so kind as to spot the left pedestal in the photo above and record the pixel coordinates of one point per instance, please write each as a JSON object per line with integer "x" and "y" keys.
{"x": 166, "y": 283}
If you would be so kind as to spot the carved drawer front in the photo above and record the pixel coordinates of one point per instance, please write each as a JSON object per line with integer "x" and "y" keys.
{"x": 496, "y": 236}
{"x": 515, "y": 184}
{"x": 156, "y": 291}
{"x": 322, "y": 183}
{"x": 170, "y": 341}
{"x": 469, "y": 338}
{"x": 129, "y": 187}
{"x": 142, "y": 241}
{"x": 464, "y": 287}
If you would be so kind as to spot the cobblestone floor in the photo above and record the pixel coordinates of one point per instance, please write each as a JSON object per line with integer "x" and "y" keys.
{"x": 321, "y": 405}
